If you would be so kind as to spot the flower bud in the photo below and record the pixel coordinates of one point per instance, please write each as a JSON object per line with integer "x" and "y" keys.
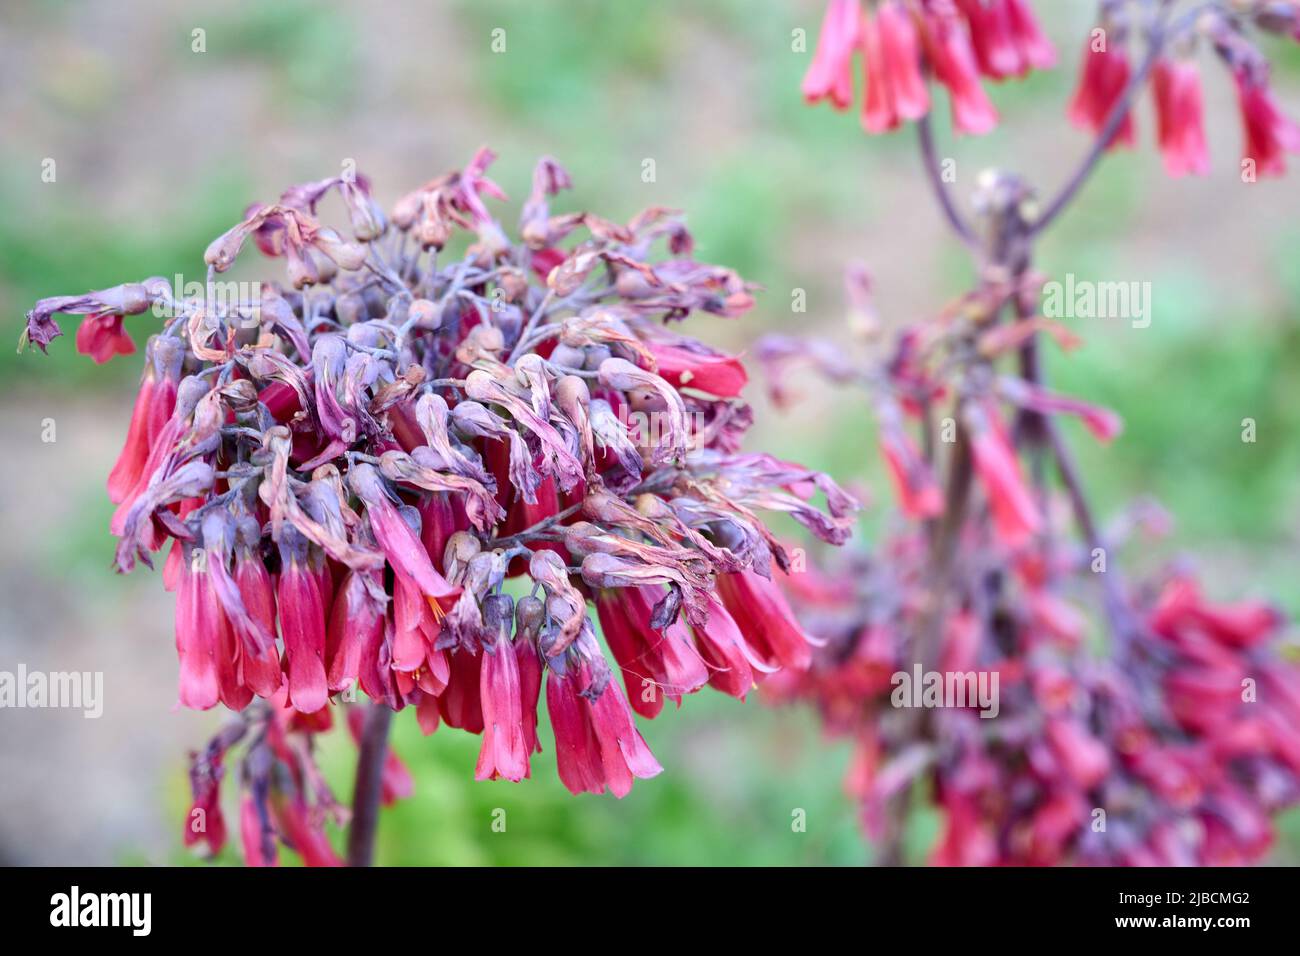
{"x": 569, "y": 356}
{"x": 530, "y": 614}
{"x": 425, "y": 314}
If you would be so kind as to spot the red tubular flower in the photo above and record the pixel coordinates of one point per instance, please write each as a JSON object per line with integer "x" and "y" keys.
{"x": 995, "y": 46}
{"x": 505, "y": 748}
{"x": 1007, "y": 38}
{"x": 153, "y": 407}
{"x": 1176, "y": 85}
{"x": 704, "y": 370}
{"x": 302, "y": 623}
{"x": 256, "y": 835}
{"x": 205, "y": 823}
{"x": 415, "y": 631}
{"x": 622, "y": 750}
{"x": 1054, "y": 825}
{"x": 949, "y": 50}
{"x": 530, "y": 689}
{"x": 1182, "y": 612}
{"x": 1036, "y": 51}
{"x": 596, "y": 743}
{"x": 655, "y": 664}
{"x": 1269, "y": 134}
{"x": 1015, "y": 516}
{"x": 577, "y": 751}
{"x": 258, "y": 670}
{"x": 1203, "y": 699}
{"x": 460, "y": 705}
{"x": 399, "y": 543}
{"x": 734, "y": 666}
{"x": 304, "y": 833}
{"x": 439, "y": 520}
{"x": 914, "y": 482}
{"x": 1102, "y": 80}
{"x": 830, "y": 74}
{"x": 895, "y": 89}
{"x": 764, "y": 617}
{"x": 199, "y": 623}
{"x": 101, "y": 337}
{"x": 356, "y": 622}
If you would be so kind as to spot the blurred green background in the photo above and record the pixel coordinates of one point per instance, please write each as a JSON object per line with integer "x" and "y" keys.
{"x": 159, "y": 148}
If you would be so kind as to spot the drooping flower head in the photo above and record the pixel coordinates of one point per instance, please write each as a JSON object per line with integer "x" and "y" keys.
{"x": 347, "y": 467}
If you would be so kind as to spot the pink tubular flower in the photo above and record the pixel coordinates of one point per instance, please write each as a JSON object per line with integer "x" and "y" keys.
{"x": 1102, "y": 80}
{"x": 995, "y": 48}
{"x": 577, "y": 751}
{"x": 529, "y": 663}
{"x": 1006, "y": 38}
{"x": 302, "y": 623}
{"x": 101, "y": 337}
{"x": 901, "y": 47}
{"x": 1269, "y": 134}
{"x": 705, "y": 370}
{"x": 205, "y": 823}
{"x": 505, "y": 750}
{"x": 1182, "y": 612}
{"x": 596, "y": 743}
{"x": 914, "y": 482}
{"x": 153, "y": 407}
{"x": 734, "y": 666}
{"x": 415, "y": 631}
{"x": 399, "y": 542}
{"x": 655, "y": 664}
{"x": 304, "y": 832}
{"x": 895, "y": 89}
{"x": 356, "y": 622}
{"x": 949, "y": 49}
{"x": 830, "y": 74}
{"x": 260, "y": 672}
{"x": 199, "y": 626}
{"x": 460, "y": 705}
{"x": 1036, "y": 51}
{"x": 764, "y": 617}
{"x": 1176, "y": 85}
{"x": 1015, "y": 515}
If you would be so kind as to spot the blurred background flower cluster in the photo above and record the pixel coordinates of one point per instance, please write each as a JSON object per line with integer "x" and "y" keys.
{"x": 157, "y": 148}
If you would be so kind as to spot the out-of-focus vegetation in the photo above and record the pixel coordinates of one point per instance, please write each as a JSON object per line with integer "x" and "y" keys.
{"x": 160, "y": 149}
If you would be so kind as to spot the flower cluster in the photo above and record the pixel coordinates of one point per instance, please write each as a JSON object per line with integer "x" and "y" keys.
{"x": 284, "y": 798}
{"x": 961, "y": 41}
{"x": 901, "y": 41}
{"x": 1176, "y": 84}
{"x": 1185, "y": 734}
{"x": 365, "y": 455}
{"x": 1173, "y": 736}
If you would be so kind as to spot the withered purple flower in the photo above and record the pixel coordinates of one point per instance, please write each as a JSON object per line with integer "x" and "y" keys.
{"x": 350, "y": 462}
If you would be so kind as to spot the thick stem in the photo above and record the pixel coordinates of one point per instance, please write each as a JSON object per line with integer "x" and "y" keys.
{"x": 368, "y": 786}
